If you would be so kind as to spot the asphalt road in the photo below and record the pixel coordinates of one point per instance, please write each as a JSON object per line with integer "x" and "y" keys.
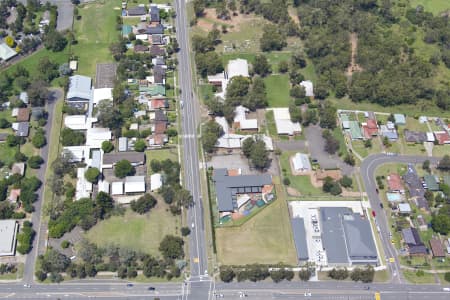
{"x": 191, "y": 164}
{"x": 39, "y": 241}
{"x": 368, "y": 168}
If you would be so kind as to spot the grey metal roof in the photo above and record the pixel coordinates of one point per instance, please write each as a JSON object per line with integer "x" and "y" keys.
{"x": 80, "y": 88}
{"x": 299, "y": 233}
{"x": 333, "y": 235}
{"x": 137, "y": 11}
{"x": 96, "y": 159}
{"x": 8, "y": 231}
{"x": 227, "y": 187}
{"x": 413, "y": 182}
{"x": 359, "y": 239}
{"x": 132, "y": 157}
{"x": 158, "y": 29}
{"x": 154, "y": 14}
{"x": 23, "y": 129}
{"x": 123, "y": 144}
{"x": 415, "y": 136}
{"x": 411, "y": 236}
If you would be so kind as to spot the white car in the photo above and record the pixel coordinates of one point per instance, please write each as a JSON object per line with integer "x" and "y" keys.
{"x": 193, "y": 225}
{"x": 446, "y": 289}
{"x": 307, "y": 294}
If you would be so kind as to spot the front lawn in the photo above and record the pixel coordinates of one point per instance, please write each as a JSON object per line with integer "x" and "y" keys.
{"x": 418, "y": 278}
{"x": 277, "y": 87}
{"x": 138, "y": 232}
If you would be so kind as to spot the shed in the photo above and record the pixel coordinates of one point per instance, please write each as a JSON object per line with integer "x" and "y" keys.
{"x": 309, "y": 88}
{"x": 155, "y": 181}
{"x": 399, "y": 119}
{"x": 117, "y": 188}
{"x": 18, "y": 168}
{"x": 123, "y": 144}
{"x": 237, "y": 67}
{"x": 299, "y": 233}
{"x": 430, "y": 137}
{"x": 80, "y": 89}
{"x": 134, "y": 184}
{"x": 23, "y": 96}
{"x": 76, "y": 122}
{"x": 22, "y": 128}
{"x": 84, "y": 187}
{"x": 6, "y": 52}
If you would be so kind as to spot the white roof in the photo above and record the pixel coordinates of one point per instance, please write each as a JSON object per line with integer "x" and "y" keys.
{"x": 77, "y": 152}
{"x": 103, "y": 186}
{"x": 430, "y": 137}
{"x": 142, "y": 37}
{"x": 6, "y": 52}
{"x": 73, "y": 65}
{"x": 423, "y": 119}
{"x": 230, "y": 141}
{"x": 24, "y": 97}
{"x": 281, "y": 113}
{"x": 102, "y": 94}
{"x": 8, "y": 233}
{"x": 308, "y": 85}
{"x": 240, "y": 117}
{"x": 134, "y": 126}
{"x": 242, "y": 199}
{"x": 84, "y": 187}
{"x": 96, "y": 136}
{"x": 117, "y": 188}
{"x": 237, "y": 67}
{"x": 404, "y": 207}
{"x": 223, "y": 123}
{"x": 301, "y": 162}
{"x": 135, "y": 184}
{"x": 283, "y": 122}
{"x": 76, "y": 122}
{"x": 155, "y": 181}
{"x": 79, "y": 87}
{"x": 15, "y": 112}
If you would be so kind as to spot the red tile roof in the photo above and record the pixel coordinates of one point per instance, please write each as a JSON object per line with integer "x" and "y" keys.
{"x": 158, "y": 103}
{"x": 371, "y": 123}
{"x": 23, "y": 115}
{"x": 442, "y": 137}
{"x": 394, "y": 182}
{"x": 160, "y": 127}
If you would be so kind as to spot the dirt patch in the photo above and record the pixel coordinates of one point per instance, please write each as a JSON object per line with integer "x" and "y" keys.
{"x": 234, "y": 24}
{"x": 354, "y": 67}
{"x": 293, "y": 14}
{"x": 293, "y": 192}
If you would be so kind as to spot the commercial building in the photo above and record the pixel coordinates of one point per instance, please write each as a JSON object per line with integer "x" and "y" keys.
{"x": 283, "y": 122}
{"x": 299, "y": 233}
{"x": 80, "y": 89}
{"x": 300, "y": 162}
{"x": 8, "y": 235}
{"x": 6, "y": 52}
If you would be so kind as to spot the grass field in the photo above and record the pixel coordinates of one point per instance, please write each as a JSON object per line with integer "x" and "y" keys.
{"x": 266, "y": 238}
{"x": 277, "y": 87}
{"x": 95, "y": 32}
{"x": 412, "y": 277}
{"x": 139, "y": 232}
{"x": 434, "y": 6}
{"x": 160, "y": 154}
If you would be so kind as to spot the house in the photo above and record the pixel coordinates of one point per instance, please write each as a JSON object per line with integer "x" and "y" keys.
{"x": 421, "y": 223}
{"x": 23, "y": 96}
{"x": 157, "y": 29}
{"x": 431, "y": 182}
{"x": 134, "y": 184}
{"x": 394, "y": 183}
{"x": 230, "y": 141}
{"x": 157, "y": 51}
{"x": 237, "y": 67}
{"x": 123, "y": 144}
{"x": 8, "y": 235}
{"x": 157, "y": 39}
{"x": 83, "y": 188}
{"x": 136, "y": 11}
{"x": 102, "y": 94}
{"x": 436, "y": 247}
{"x": 80, "y": 89}
{"x": 283, "y": 122}
{"x": 14, "y": 195}
{"x": 300, "y": 162}
{"x": 160, "y": 115}
{"x": 157, "y": 140}
{"x": 241, "y": 122}
{"x": 415, "y": 137}
{"x": 75, "y": 153}
{"x": 309, "y": 88}
{"x": 404, "y": 208}
{"x": 154, "y": 14}
{"x": 96, "y": 136}
{"x": 155, "y": 182}
{"x": 159, "y": 127}
{"x": 414, "y": 243}
{"x": 442, "y": 137}
{"x": 140, "y": 48}
{"x": 117, "y": 188}
{"x": 399, "y": 119}
{"x": 126, "y": 30}
{"x": 347, "y": 237}
{"x": 96, "y": 159}
{"x": 23, "y": 115}
{"x": 389, "y": 131}
{"x": 228, "y": 188}
{"x": 355, "y": 130}
{"x": 155, "y": 104}
{"x": 76, "y": 122}
{"x": 370, "y": 128}
{"x": 159, "y": 74}
{"x": 158, "y": 61}
{"x": 6, "y": 52}
{"x": 135, "y": 158}
{"x": 22, "y": 128}
{"x": 413, "y": 182}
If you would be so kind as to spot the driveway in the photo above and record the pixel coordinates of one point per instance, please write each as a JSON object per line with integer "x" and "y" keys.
{"x": 316, "y": 145}
{"x": 291, "y": 145}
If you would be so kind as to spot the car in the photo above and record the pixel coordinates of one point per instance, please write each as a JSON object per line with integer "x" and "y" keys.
{"x": 307, "y": 294}
{"x": 193, "y": 225}
{"x": 381, "y": 205}
{"x": 376, "y": 190}
{"x": 150, "y": 288}
{"x": 27, "y": 285}
{"x": 181, "y": 104}
{"x": 129, "y": 285}
{"x": 446, "y": 289}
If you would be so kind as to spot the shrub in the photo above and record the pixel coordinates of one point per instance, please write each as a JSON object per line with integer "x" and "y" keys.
{"x": 65, "y": 244}
{"x": 185, "y": 231}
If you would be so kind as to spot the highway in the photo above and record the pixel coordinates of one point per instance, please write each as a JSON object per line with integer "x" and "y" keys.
{"x": 368, "y": 168}
{"x": 191, "y": 164}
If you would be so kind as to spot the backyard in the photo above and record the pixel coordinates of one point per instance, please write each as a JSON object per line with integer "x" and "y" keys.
{"x": 277, "y": 87}
{"x": 266, "y": 238}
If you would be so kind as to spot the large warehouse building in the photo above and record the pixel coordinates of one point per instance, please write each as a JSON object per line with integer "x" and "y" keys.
{"x": 8, "y": 235}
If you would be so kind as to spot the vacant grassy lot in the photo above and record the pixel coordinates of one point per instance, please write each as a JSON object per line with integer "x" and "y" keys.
{"x": 160, "y": 154}
{"x": 277, "y": 87}
{"x": 412, "y": 277}
{"x": 140, "y": 232}
{"x": 266, "y": 238}
{"x": 95, "y": 32}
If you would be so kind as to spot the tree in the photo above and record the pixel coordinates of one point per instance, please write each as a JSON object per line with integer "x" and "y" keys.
{"x": 444, "y": 164}
{"x": 38, "y": 93}
{"x": 261, "y": 65}
{"x": 272, "y": 38}
{"x": 35, "y": 162}
{"x": 155, "y": 165}
{"x": 298, "y": 92}
{"x": 338, "y": 274}
{"x": 346, "y": 181}
{"x": 426, "y": 165}
{"x": 140, "y": 145}
{"x": 123, "y": 168}
{"x": 208, "y": 63}
{"x": 71, "y": 137}
{"x": 331, "y": 143}
{"x": 247, "y": 146}
{"x": 298, "y": 60}
{"x": 227, "y": 274}
{"x": 39, "y": 139}
{"x": 48, "y": 70}
{"x": 185, "y": 231}
{"x": 304, "y": 274}
{"x": 171, "y": 247}
{"x": 365, "y": 275}
{"x": 55, "y": 41}
{"x": 447, "y": 276}
{"x": 441, "y": 223}
{"x": 40, "y": 275}
{"x": 103, "y": 204}
{"x": 328, "y": 116}
{"x": 349, "y": 159}
{"x": 4, "y": 123}
{"x": 65, "y": 70}
{"x": 368, "y": 143}
{"x": 211, "y": 133}
{"x": 107, "y": 146}
{"x": 92, "y": 175}
{"x": 283, "y": 66}
{"x": 108, "y": 116}
{"x": 143, "y": 204}
{"x": 259, "y": 155}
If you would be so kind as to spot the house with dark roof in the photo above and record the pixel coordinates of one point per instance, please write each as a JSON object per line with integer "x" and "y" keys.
{"x": 160, "y": 115}
{"x": 160, "y": 127}
{"x": 140, "y": 48}
{"x": 436, "y": 247}
{"x": 431, "y": 182}
{"x": 159, "y": 75}
{"x": 154, "y": 14}
{"x": 158, "y": 29}
{"x": 228, "y": 188}
{"x": 157, "y": 140}
{"x": 23, "y": 114}
{"x": 22, "y": 129}
{"x": 157, "y": 50}
{"x": 136, "y": 11}
{"x": 413, "y": 182}
{"x": 347, "y": 237}
{"x": 412, "y": 239}
{"x": 415, "y": 137}
{"x": 157, "y": 39}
